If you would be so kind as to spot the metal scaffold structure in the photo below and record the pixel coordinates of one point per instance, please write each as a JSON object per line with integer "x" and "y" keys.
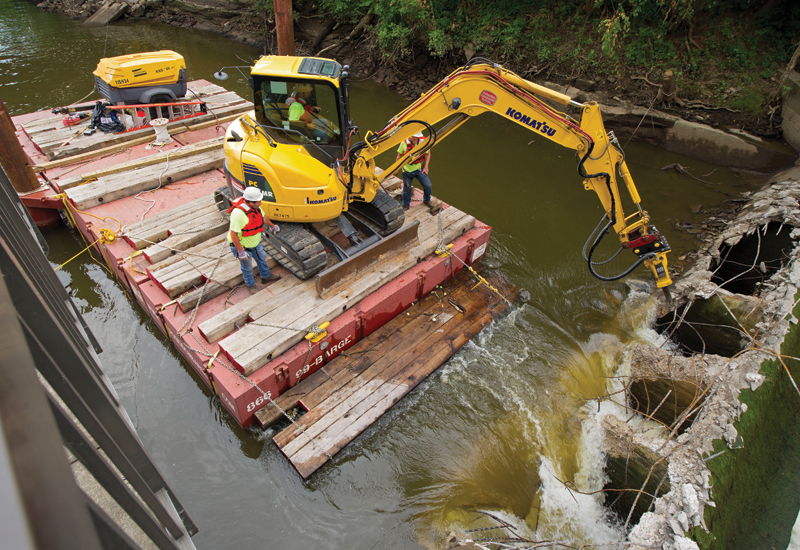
{"x": 54, "y": 397}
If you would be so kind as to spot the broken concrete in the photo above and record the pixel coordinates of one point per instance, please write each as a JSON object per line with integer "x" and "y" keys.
{"x": 715, "y": 383}
{"x": 109, "y": 12}
{"x": 670, "y": 388}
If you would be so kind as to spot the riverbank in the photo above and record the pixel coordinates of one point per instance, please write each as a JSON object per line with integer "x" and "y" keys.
{"x": 351, "y": 473}
{"x": 717, "y": 88}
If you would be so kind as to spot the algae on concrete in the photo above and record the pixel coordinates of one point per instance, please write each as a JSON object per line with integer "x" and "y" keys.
{"x": 756, "y": 486}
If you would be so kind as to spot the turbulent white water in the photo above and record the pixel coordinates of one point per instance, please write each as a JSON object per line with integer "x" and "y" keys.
{"x": 552, "y": 398}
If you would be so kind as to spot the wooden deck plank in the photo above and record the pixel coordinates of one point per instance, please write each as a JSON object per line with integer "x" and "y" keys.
{"x": 226, "y": 277}
{"x": 202, "y": 228}
{"x": 252, "y": 346}
{"x": 307, "y": 459}
{"x": 187, "y": 266}
{"x": 216, "y": 272}
{"x": 328, "y": 402}
{"x": 117, "y": 186}
{"x": 336, "y": 420}
{"x": 157, "y": 228}
{"x": 222, "y": 324}
{"x": 199, "y": 253}
{"x": 157, "y": 157}
{"x": 386, "y": 339}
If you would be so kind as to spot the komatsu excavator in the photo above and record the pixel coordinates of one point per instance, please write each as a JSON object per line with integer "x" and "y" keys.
{"x": 298, "y": 148}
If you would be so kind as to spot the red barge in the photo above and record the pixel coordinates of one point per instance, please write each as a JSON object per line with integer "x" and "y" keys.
{"x": 149, "y": 211}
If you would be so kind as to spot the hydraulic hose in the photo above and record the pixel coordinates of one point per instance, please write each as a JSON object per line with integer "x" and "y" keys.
{"x": 628, "y": 271}
{"x": 607, "y": 177}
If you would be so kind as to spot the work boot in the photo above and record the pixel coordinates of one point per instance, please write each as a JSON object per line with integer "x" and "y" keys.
{"x": 272, "y": 277}
{"x": 433, "y": 205}
{"x": 406, "y": 207}
{"x": 251, "y": 289}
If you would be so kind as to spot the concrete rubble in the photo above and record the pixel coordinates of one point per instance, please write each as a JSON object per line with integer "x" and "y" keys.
{"x": 682, "y": 508}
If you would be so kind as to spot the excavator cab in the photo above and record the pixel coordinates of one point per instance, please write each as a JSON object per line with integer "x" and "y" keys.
{"x": 315, "y": 102}
{"x": 292, "y": 148}
{"x": 302, "y": 104}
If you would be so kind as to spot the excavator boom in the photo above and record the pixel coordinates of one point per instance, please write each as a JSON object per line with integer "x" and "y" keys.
{"x": 482, "y": 86}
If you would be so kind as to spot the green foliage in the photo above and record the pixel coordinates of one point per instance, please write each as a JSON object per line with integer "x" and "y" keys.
{"x": 613, "y": 29}
{"x": 751, "y": 102}
{"x": 263, "y": 5}
{"x": 700, "y": 39}
{"x": 345, "y": 10}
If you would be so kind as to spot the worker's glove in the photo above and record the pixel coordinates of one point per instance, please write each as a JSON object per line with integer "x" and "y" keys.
{"x": 242, "y": 255}
{"x": 275, "y": 228}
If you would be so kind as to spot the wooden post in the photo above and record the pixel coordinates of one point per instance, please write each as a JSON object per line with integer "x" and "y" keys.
{"x": 284, "y": 26}
{"x": 12, "y": 158}
{"x": 666, "y": 95}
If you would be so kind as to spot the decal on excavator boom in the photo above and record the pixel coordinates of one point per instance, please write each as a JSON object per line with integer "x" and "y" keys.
{"x": 528, "y": 121}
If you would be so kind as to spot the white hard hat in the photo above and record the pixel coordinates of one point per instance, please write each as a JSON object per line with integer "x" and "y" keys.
{"x": 418, "y": 135}
{"x": 252, "y": 194}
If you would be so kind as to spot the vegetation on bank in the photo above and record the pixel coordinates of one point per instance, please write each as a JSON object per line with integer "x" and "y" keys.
{"x": 722, "y": 52}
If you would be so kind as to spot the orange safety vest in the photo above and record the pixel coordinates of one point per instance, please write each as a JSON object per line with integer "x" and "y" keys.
{"x": 409, "y": 147}
{"x": 255, "y": 221}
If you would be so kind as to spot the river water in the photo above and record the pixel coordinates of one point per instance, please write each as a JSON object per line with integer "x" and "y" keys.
{"x": 494, "y": 429}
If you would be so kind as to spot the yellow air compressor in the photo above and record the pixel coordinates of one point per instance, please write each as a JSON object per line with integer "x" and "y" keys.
{"x": 139, "y": 78}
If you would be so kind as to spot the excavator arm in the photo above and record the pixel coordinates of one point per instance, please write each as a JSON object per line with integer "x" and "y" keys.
{"x": 482, "y": 86}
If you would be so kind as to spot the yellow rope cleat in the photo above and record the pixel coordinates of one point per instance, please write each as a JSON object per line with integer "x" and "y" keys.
{"x": 318, "y": 333}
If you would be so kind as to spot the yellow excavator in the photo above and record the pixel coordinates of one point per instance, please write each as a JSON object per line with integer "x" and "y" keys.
{"x": 298, "y": 148}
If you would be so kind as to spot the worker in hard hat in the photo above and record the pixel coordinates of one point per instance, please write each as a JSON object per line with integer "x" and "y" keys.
{"x": 246, "y": 226}
{"x": 302, "y": 110}
{"x": 415, "y": 168}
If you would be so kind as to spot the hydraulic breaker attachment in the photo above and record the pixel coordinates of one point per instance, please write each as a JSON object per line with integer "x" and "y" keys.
{"x": 653, "y": 247}
{"x": 658, "y": 266}
{"x": 338, "y": 277}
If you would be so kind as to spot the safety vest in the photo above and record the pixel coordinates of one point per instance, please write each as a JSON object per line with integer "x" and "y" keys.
{"x": 255, "y": 221}
{"x": 409, "y": 147}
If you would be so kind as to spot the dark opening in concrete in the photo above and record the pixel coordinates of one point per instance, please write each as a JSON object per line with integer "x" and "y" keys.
{"x": 703, "y": 326}
{"x": 667, "y": 399}
{"x": 631, "y": 468}
{"x": 754, "y": 259}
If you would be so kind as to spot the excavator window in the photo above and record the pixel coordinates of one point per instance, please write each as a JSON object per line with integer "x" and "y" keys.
{"x": 298, "y": 111}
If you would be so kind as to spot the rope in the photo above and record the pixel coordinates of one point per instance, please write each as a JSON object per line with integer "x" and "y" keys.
{"x": 153, "y": 203}
{"x": 79, "y": 253}
{"x": 106, "y": 235}
{"x": 441, "y": 250}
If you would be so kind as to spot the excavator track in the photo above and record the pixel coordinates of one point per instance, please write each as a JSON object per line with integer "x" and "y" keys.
{"x": 384, "y": 214}
{"x": 296, "y": 249}
{"x": 300, "y": 251}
